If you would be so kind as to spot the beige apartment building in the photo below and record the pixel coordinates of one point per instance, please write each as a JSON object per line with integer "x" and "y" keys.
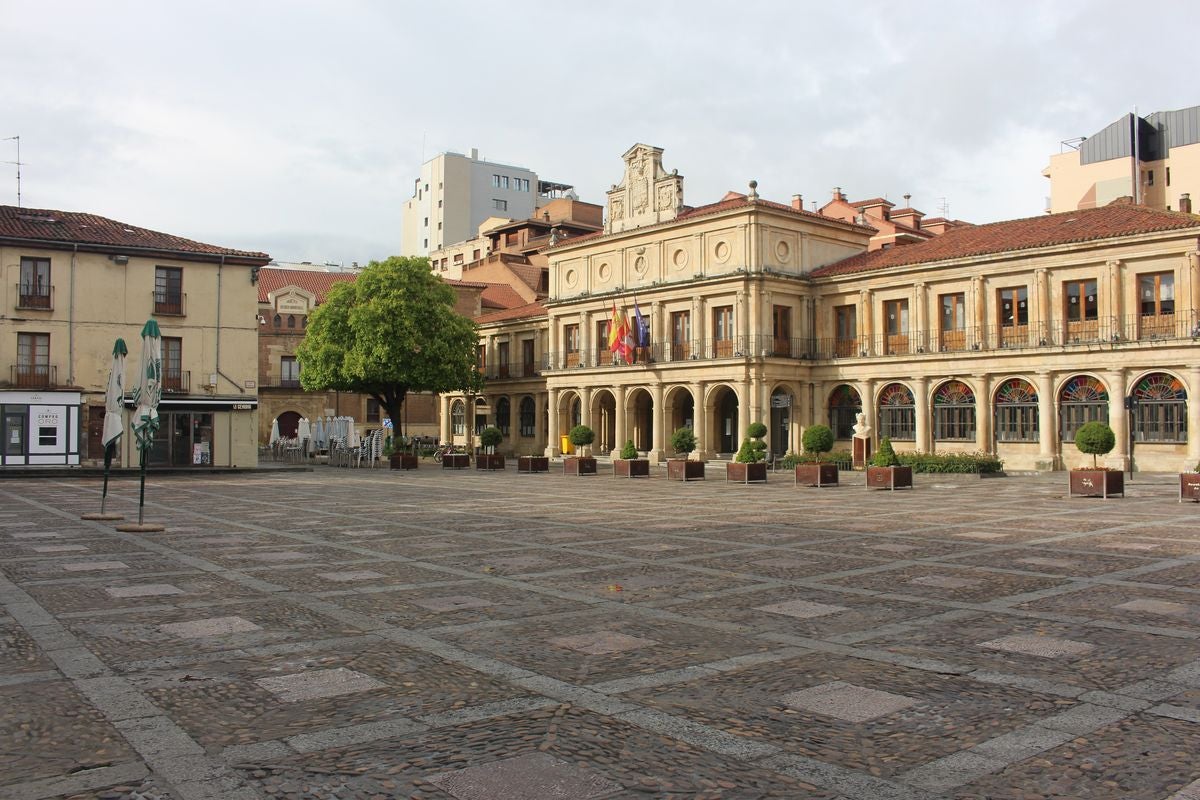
{"x": 72, "y": 284}
{"x": 1002, "y": 338}
{"x": 1153, "y": 159}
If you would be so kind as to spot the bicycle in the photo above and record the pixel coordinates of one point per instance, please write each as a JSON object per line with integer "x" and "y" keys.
{"x": 444, "y": 449}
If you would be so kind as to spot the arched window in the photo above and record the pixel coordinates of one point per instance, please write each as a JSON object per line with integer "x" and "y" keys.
{"x": 844, "y": 407}
{"x": 1082, "y": 399}
{"x": 576, "y": 412}
{"x": 1016, "y": 412}
{"x": 291, "y": 320}
{"x": 1160, "y": 409}
{"x": 458, "y": 418}
{"x": 897, "y": 413}
{"x": 278, "y": 321}
{"x": 528, "y": 420}
{"x": 954, "y": 413}
{"x": 503, "y": 414}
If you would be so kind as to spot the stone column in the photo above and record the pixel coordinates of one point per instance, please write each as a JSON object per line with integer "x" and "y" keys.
{"x": 587, "y": 353}
{"x": 983, "y": 414}
{"x": 866, "y": 321}
{"x": 619, "y": 432}
{"x": 699, "y": 420}
{"x": 1118, "y": 419}
{"x": 921, "y": 398}
{"x": 444, "y": 418}
{"x": 552, "y": 446}
{"x": 918, "y": 327}
{"x": 1045, "y": 316}
{"x": 657, "y": 339}
{"x": 658, "y": 429}
{"x": 514, "y": 416}
{"x": 539, "y": 438}
{"x": 980, "y": 307}
{"x": 585, "y": 407}
{"x": 1193, "y": 417}
{"x": 756, "y": 410}
{"x": 866, "y": 392}
{"x": 1193, "y": 271}
{"x": 1049, "y": 440}
{"x": 818, "y": 412}
{"x": 1116, "y": 299}
{"x": 554, "y": 358}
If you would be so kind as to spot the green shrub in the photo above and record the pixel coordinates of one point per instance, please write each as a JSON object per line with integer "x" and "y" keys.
{"x": 581, "y": 436}
{"x": 491, "y": 436}
{"x": 885, "y": 456}
{"x": 752, "y": 451}
{"x": 756, "y": 430}
{"x": 1095, "y": 438}
{"x": 683, "y": 441}
{"x": 388, "y": 447}
{"x": 818, "y": 439}
{"x": 629, "y": 451}
{"x": 963, "y": 463}
{"x": 790, "y": 460}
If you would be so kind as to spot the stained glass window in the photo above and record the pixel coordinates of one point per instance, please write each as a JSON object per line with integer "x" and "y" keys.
{"x": 897, "y": 413}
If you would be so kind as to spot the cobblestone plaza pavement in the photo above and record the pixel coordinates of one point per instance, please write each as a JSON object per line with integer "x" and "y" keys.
{"x": 371, "y": 634}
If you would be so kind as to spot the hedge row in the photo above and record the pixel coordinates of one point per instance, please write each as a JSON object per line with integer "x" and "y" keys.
{"x": 951, "y": 462}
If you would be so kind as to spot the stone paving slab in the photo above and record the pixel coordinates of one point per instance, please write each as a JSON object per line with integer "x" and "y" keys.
{"x": 825, "y": 644}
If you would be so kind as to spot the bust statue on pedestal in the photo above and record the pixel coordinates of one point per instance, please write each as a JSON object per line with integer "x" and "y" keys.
{"x": 861, "y": 442}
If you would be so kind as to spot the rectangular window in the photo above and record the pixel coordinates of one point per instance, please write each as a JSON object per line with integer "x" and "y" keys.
{"x": 172, "y": 365}
{"x": 571, "y": 344}
{"x": 33, "y": 361}
{"x": 480, "y": 357}
{"x": 1017, "y": 422}
{"x": 458, "y": 258}
{"x": 1150, "y": 177}
{"x": 500, "y": 205}
{"x": 1081, "y": 310}
{"x": 495, "y": 181}
{"x": 427, "y": 222}
{"x": 289, "y": 372}
{"x": 845, "y": 330}
{"x": 781, "y": 327}
{"x": 722, "y": 325}
{"x": 527, "y": 365}
{"x": 527, "y": 415}
{"x": 502, "y": 358}
{"x": 168, "y": 290}
{"x": 1013, "y": 305}
{"x": 603, "y": 355}
{"x": 34, "y": 289}
{"x": 895, "y": 325}
{"x": 953, "y": 321}
{"x": 1168, "y": 176}
{"x": 475, "y": 254}
{"x": 1156, "y": 302}
{"x": 681, "y": 335}
{"x": 1160, "y": 421}
{"x": 954, "y": 423}
{"x": 372, "y": 410}
{"x": 898, "y": 423}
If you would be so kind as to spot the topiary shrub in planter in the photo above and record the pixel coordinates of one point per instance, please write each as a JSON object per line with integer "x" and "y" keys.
{"x": 490, "y": 437}
{"x": 1189, "y": 485}
{"x": 683, "y": 441}
{"x": 885, "y": 470}
{"x": 396, "y": 456}
{"x": 749, "y": 465}
{"x": 581, "y": 436}
{"x": 817, "y": 439}
{"x": 628, "y": 465}
{"x": 533, "y": 464}
{"x": 1096, "y": 439}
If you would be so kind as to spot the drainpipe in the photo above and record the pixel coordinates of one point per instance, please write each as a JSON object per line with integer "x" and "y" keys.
{"x": 71, "y": 321}
{"x": 220, "y": 268}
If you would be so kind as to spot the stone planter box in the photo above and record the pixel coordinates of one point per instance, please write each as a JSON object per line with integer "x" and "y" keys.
{"x": 533, "y": 464}
{"x": 492, "y": 461}
{"x": 402, "y": 461}
{"x": 579, "y": 465}
{"x": 631, "y": 467}
{"x": 889, "y": 478}
{"x": 816, "y": 475}
{"x": 746, "y": 473}
{"x": 456, "y": 461}
{"x": 679, "y": 469}
{"x": 1097, "y": 482}
{"x": 1189, "y": 486}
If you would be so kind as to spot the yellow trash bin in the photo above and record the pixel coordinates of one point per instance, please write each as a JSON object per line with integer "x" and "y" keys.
{"x": 567, "y": 447}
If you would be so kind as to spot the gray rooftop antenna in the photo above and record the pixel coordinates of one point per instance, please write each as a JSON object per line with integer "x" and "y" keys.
{"x": 16, "y": 139}
{"x": 944, "y": 207}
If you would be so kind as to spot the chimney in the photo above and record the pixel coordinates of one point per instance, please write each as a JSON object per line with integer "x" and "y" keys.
{"x": 837, "y": 193}
{"x": 474, "y": 153}
{"x": 1185, "y": 203}
{"x": 798, "y": 202}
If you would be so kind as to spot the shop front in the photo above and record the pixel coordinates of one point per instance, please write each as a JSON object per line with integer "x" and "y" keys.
{"x": 39, "y": 428}
{"x": 195, "y": 432}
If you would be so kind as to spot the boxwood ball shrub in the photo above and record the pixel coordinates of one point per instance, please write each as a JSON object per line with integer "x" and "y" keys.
{"x": 1095, "y": 438}
{"x": 581, "y": 436}
{"x": 817, "y": 439}
{"x": 756, "y": 430}
{"x": 683, "y": 441}
{"x": 629, "y": 451}
{"x": 753, "y": 449}
{"x": 491, "y": 436}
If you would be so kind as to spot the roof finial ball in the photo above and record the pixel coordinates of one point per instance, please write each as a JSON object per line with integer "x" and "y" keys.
{"x": 753, "y": 190}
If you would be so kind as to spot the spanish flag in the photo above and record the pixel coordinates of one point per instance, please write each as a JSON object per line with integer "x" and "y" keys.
{"x": 618, "y": 334}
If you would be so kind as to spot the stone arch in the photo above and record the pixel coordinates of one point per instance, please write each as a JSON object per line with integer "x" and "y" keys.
{"x": 727, "y": 418}
{"x": 604, "y": 420}
{"x": 639, "y": 418}
{"x": 781, "y": 413}
{"x": 843, "y": 405}
{"x": 289, "y": 421}
{"x": 679, "y": 410}
{"x": 503, "y": 414}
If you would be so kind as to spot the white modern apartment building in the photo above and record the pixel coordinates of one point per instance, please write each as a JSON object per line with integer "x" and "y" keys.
{"x": 456, "y": 192}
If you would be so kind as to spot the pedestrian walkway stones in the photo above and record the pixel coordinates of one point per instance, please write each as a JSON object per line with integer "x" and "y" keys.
{"x": 602, "y": 642}
{"x": 319, "y": 684}
{"x": 802, "y": 609}
{"x": 536, "y": 776}
{"x": 1041, "y": 646}
{"x": 94, "y": 566}
{"x": 350, "y": 575}
{"x": 451, "y": 603}
{"x": 214, "y": 626}
{"x": 1150, "y": 606}
{"x": 944, "y": 582}
{"x": 143, "y": 590}
{"x": 848, "y": 702}
{"x": 59, "y": 548}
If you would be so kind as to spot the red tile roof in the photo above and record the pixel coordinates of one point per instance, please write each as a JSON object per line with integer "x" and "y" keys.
{"x": 874, "y": 201}
{"x": 1019, "y": 234}
{"x": 272, "y": 279}
{"x": 535, "y": 309}
{"x": 72, "y": 227}
{"x": 501, "y": 295}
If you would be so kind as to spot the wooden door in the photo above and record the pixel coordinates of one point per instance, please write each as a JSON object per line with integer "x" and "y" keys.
{"x": 95, "y": 432}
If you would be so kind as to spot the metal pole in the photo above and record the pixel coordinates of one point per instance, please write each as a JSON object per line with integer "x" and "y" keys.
{"x": 108, "y": 452}
{"x": 142, "y": 491}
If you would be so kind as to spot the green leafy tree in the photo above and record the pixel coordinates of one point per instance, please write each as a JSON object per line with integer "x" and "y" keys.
{"x": 818, "y": 439}
{"x": 629, "y": 451}
{"x": 392, "y": 331}
{"x": 753, "y": 449}
{"x": 581, "y": 436}
{"x": 1095, "y": 438}
{"x": 683, "y": 441}
{"x": 490, "y": 437}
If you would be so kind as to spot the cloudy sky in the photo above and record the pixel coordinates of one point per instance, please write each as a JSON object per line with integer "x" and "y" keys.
{"x": 298, "y": 127}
